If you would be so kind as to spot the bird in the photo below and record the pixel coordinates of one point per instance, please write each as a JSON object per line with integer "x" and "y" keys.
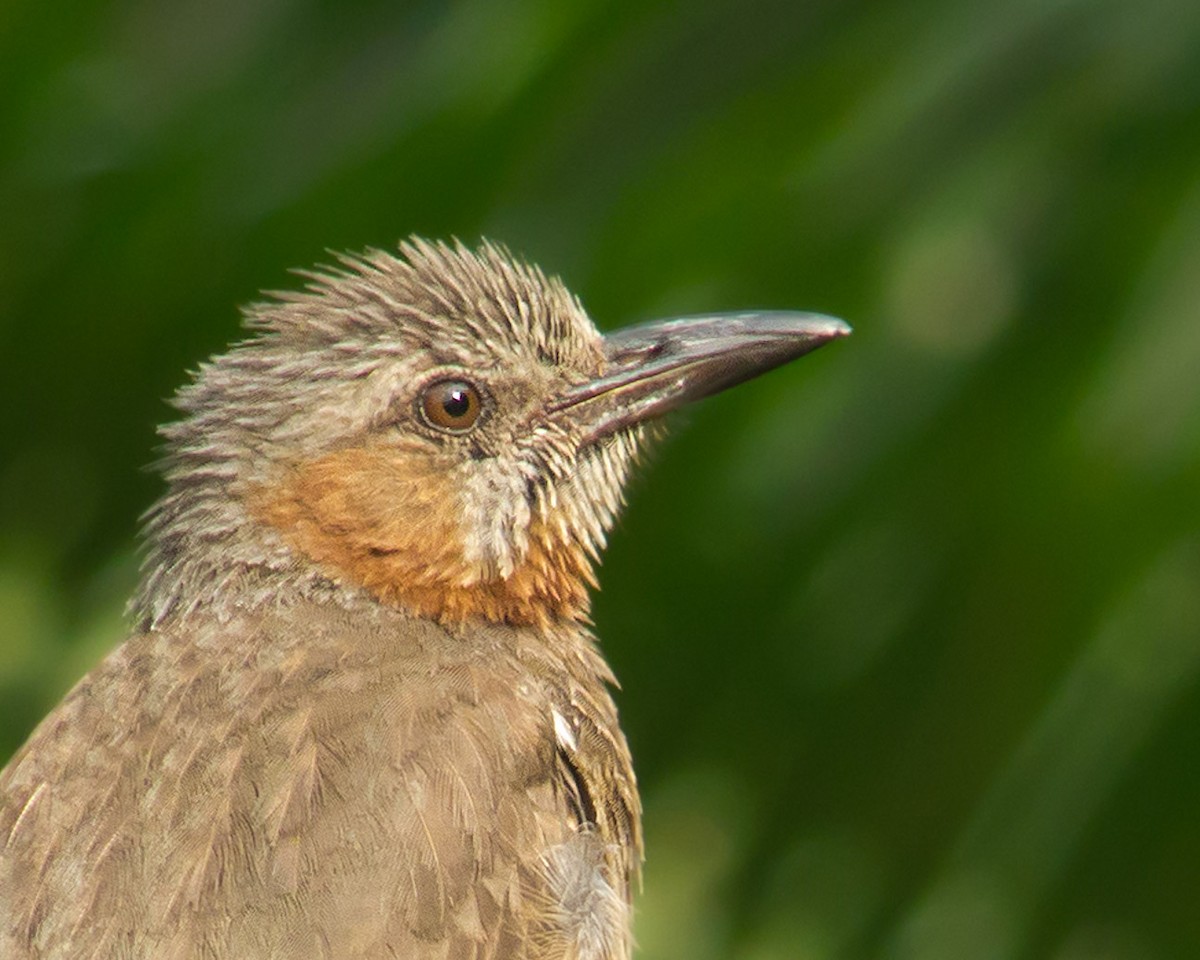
{"x": 361, "y": 711}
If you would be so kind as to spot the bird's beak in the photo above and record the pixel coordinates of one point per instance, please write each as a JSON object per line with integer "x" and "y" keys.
{"x": 655, "y": 367}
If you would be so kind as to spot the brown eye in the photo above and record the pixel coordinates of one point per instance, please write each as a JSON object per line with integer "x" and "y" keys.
{"x": 450, "y": 405}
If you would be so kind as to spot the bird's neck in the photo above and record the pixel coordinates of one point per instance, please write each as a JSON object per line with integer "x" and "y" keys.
{"x": 375, "y": 522}
{"x": 330, "y": 531}
{"x": 206, "y": 556}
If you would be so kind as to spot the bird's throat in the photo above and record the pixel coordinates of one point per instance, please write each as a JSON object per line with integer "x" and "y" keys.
{"x": 386, "y": 524}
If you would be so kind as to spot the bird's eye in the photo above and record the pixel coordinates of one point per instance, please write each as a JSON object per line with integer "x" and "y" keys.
{"x": 450, "y": 405}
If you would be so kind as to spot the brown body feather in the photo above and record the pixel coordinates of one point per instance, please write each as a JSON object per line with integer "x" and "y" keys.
{"x": 345, "y": 783}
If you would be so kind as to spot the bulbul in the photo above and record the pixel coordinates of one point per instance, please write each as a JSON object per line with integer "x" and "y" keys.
{"x": 361, "y": 713}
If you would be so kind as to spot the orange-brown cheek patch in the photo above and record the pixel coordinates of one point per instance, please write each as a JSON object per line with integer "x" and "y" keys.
{"x": 389, "y": 521}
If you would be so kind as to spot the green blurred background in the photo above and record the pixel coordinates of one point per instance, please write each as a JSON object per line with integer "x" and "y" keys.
{"x": 909, "y": 631}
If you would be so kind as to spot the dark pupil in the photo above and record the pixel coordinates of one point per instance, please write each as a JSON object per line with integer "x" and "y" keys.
{"x": 457, "y": 402}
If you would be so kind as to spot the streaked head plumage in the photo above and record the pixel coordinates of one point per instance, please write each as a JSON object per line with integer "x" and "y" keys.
{"x": 307, "y": 452}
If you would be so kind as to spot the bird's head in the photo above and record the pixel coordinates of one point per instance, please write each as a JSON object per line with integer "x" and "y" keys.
{"x": 445, "y": 430}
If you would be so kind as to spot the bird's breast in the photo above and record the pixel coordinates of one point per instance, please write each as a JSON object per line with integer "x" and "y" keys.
{"x": 326, "y": 778}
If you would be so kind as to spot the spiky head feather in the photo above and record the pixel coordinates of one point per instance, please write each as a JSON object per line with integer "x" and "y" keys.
{"x": 299, "y": 462}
